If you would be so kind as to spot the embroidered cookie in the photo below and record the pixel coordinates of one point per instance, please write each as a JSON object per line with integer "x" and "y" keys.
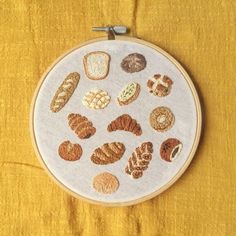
{"x": 105, "y": 183}
{"x": 125, "y": 122}
{"x": 139, "y": 160}
{"x": 64, "y": 92}
{"x": 161, "y": 119}
{"x": 134, "y": 62}
{"x": 96, "y": 99}
{"x": 108, "y": 153}
{"x": 128, "y": 94}
{"x": 81, "y": 126}
{"x": 170, "y": 149}
{"x": 96, "y": 65}
{"x": 69, "y": 151}
{"x": 159, "y": 85}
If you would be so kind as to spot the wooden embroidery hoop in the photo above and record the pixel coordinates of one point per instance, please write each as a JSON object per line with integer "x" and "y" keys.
{"x": 194, "y": 146}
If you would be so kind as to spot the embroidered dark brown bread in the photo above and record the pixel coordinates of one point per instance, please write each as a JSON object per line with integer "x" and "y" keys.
{"x": 170, "y": 149}
{"x": 125, "y": 122}
{"x": 139, "y": 160}
{"x": 81, "y": 125}
{"x": 108, "y": 153}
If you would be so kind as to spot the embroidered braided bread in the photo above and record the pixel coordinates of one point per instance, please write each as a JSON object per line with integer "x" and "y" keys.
{"x": 139, "y": 160}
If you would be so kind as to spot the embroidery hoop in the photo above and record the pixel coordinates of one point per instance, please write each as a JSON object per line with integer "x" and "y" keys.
{"x": 181, "y": 170}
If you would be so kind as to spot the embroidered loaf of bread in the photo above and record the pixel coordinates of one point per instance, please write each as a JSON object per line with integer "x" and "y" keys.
{"x": 65, "y": 91}
{"x": 81, "y": 126}
{"x": 127, "y": 123}
{"x": 108, "y": 153}
{"x": 96, "y": 65}
{"x": 139, "y": 160}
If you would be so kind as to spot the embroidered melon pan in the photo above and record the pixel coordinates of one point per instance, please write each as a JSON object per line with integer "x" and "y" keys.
{"x": 162, "y": 168}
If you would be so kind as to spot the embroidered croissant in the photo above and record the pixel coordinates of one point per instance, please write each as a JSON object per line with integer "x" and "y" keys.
{"x": 125, "y": 122}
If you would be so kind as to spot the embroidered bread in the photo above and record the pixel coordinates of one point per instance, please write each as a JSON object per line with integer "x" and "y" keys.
{"x": 161, "y": 119}
{"x": 139, "y": 160}
{"x": 69, "y": 151}
{"x": 134, "y": 62}
{"x": 81, "y": 126}
{"x": 159, "y": 85}
{"x": 125, "y": 122}
{"x": 96, "y": 99}
{"x": 170, "y": 149}
{"x": 108, "y": 153}
{"x": 65, "y": 91}
{"x": 96, "y": 65}
{"x": 128, "y": 94}
{"x": 105, "y": 183}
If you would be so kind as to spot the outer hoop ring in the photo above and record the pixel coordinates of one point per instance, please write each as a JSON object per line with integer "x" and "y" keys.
{"x": 194, "y": 146}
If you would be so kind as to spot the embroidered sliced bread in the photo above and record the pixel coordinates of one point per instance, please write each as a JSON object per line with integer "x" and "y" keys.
{"x": 96, "y": 65}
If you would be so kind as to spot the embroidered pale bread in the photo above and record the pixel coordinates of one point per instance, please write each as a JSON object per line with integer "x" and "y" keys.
{"x": 96, "y": 65}
{"x": 81, "y": 126}
{"x": 65, "y": 91}
{"x": 128, "y": 94}
{"x": 108, "y": 153}
{"x": 96, "y": 99}
{"x": 125, "y": 122}
{"x": 105, "y": 183}
{"x": 139, "y": 160}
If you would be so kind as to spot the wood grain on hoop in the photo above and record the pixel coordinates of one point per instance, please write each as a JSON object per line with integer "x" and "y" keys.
{"x": 194, "y": 146}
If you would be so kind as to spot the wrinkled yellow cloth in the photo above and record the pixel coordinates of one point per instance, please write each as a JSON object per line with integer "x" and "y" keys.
{"x": 200, "y": 34}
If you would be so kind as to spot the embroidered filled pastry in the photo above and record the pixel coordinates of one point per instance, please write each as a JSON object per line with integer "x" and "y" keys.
{"x": 65, "y": 91}
{"x": 96, "y": 99}
{"x": 170, "y": 149}
{"x": 81, "y": 126}
{"x": 128, "y": 94}
{"x": 125, "y": 122}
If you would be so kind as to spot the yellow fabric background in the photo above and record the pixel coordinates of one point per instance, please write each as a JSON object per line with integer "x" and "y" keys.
{"x": 200, "y": 34}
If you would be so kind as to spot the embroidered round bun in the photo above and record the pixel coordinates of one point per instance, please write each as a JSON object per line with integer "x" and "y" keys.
{"x": 105, "y": 183}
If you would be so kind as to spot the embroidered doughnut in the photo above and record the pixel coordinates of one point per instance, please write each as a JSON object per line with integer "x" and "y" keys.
{"x": 170, "y": 149}
{"x": 161, "y": 119}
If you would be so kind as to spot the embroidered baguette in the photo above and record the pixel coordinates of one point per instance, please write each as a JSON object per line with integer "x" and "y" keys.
{"x": 65, "y": 91}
